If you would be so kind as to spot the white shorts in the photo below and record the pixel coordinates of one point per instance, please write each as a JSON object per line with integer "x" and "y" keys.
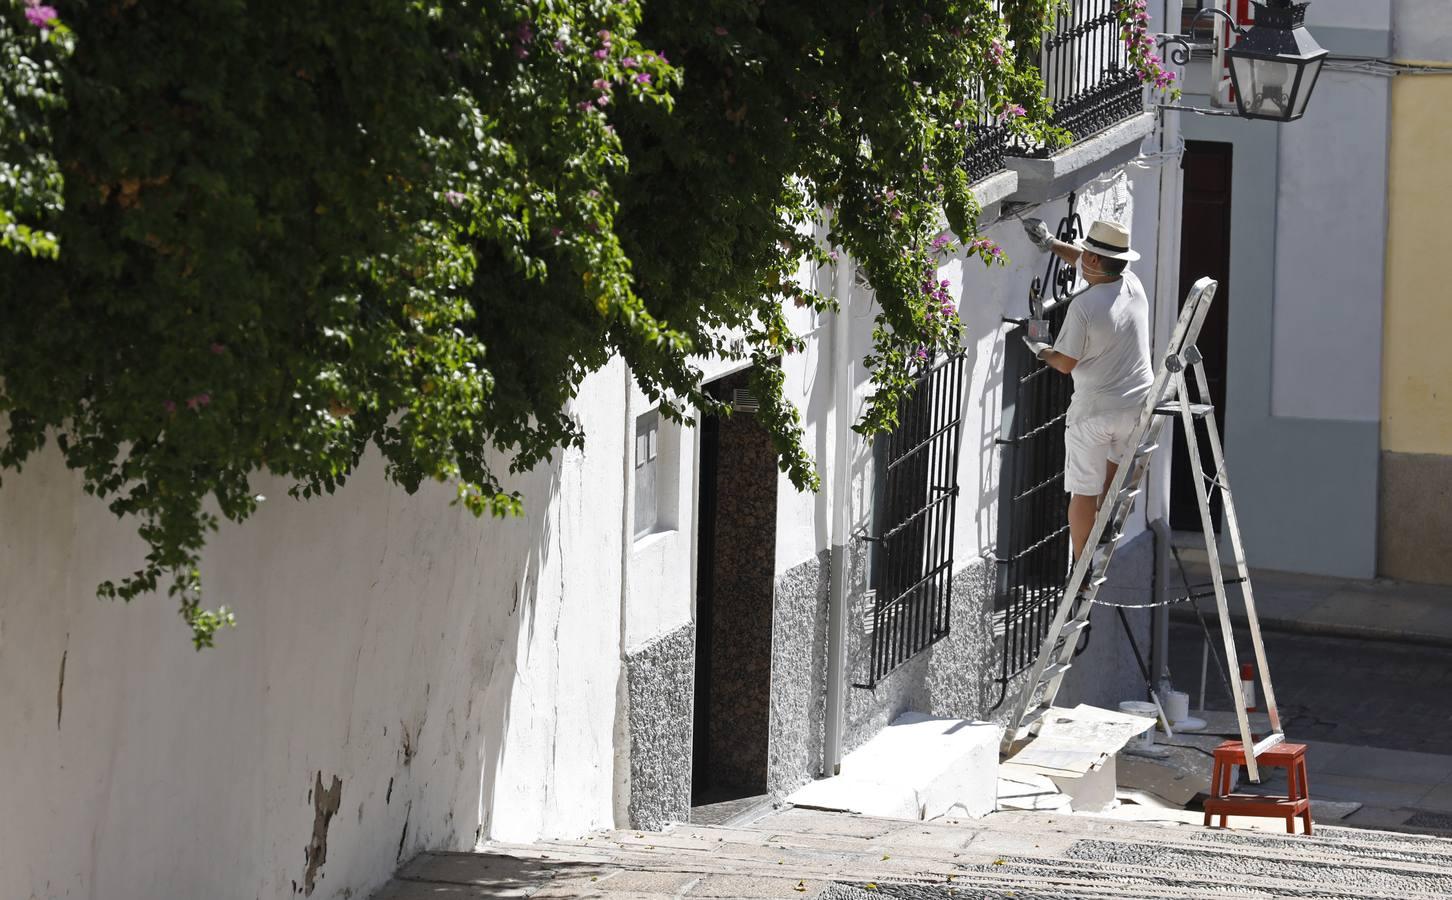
{"x": 1092, "y": 442}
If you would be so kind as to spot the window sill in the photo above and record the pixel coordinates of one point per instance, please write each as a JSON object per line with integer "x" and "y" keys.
{"x": 994, "y": 189}
{"x": 1040, "y": 180}
{"x": 646, "y": 541}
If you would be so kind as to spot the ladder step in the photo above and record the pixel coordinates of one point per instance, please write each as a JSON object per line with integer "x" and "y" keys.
{"x": 1054, "y": 671}
{"x": 1268, "y": 742}
{"x": 1032, "y": 717}
{"x": 1069, "y": 634}
{"x": 1198, "y": 410}
{"x": 1147, "y": 449}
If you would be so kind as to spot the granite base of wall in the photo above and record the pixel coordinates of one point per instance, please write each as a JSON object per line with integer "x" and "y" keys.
{"x": 1414, "y": 540}
{"x": 954, "y": 677}
{"x": 798, "y": 675}
{"x": 960, "y": 676}
{"x": 660, "y": 680}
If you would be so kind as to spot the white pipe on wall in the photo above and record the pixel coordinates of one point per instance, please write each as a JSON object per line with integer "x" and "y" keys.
{"x": 840, "y": 478}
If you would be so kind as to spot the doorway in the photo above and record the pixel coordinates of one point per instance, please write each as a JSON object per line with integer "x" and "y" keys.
{"x": 1204, "y": 250}
{"x": 735, "y": 585}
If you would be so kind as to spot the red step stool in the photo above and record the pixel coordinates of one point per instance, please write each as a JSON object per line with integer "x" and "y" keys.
{"x": 1297, "y": 802}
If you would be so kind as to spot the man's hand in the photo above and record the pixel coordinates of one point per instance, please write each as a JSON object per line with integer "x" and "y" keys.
{"x": 1039, "y": 233}
{"x": 1037, "y": 348}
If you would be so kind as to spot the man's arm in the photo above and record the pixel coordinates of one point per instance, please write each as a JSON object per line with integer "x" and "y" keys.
{"x": 1058, "y": 361}
{"x": 1067, "y": 252}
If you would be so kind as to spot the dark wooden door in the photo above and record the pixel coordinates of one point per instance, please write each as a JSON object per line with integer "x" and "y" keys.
{"x": 1204, "y": 250}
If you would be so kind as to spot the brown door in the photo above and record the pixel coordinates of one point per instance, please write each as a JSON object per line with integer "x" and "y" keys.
{"x": 1204, "y": 250}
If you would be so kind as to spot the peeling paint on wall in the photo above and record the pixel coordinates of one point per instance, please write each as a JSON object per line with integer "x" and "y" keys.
{"x": 60, "y": 691}
{"x": 408, "y": 814}
{"x": 325, "y": 806}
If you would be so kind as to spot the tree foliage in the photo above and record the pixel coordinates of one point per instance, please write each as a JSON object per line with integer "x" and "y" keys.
{"x": 259, "y": 237}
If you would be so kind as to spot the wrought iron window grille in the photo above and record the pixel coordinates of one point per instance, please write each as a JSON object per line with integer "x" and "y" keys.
{"x": 915, "y": 519}
{"x": 1033, "y": 532}
{"x": 1087, "y": 73}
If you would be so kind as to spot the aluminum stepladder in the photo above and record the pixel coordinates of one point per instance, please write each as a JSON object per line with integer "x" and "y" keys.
{"x": 1169, "y": 397}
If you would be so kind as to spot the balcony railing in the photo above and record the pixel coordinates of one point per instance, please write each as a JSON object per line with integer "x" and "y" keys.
{"x": 988, "y": 144}
{"x": 1086, "y": 72}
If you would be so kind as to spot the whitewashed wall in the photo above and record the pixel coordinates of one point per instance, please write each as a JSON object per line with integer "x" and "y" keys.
{"x": 458, "y": 677}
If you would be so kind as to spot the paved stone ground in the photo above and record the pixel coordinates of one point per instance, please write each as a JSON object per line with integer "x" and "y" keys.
{"x": 1367, "y": 693}
{"x": 807, "y": 853}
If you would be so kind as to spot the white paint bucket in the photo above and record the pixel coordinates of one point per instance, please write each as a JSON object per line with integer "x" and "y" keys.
{"x": 1177, "y": 706}
{"x": 1145, "y": 741}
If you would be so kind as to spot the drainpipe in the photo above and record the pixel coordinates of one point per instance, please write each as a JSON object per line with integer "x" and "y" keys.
{"x": 840, "y": 479}
{"x": 1167, "y": 266}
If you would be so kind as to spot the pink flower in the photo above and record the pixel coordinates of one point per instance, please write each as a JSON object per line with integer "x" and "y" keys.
{"x": 169, "y": 406}
{"x": 600, "y": 84}
{"x": 524, "y": 34}
{"x": 603, "y": 35}
{"x": 601, "y": 53}
{"x": 662, "y": 58}
{"x": 198, "y": 401}
{"x": 643, "y": 78}
{"x": 721, "y": 31}
{"x": 559, "y": 46}
{"x": 218, "y": 349}
{"x": 602, "y": 100}
{"x": 940, "y": 241}
{"x": 629, "y": 62}
{"x": 556, "y": 232}
{"x": 454, "y": 197}
{"x": 40, "y": 16}
{"x": 1013, "y": 111}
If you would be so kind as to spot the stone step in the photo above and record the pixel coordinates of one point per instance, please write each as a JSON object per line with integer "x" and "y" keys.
{"x": 812, "y": 853}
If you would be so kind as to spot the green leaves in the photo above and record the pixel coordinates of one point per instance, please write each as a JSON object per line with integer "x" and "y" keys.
{"x": 238, "y": 239}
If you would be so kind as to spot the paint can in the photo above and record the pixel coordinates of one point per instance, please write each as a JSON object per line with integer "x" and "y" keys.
{"x": 1177, "y": 706}
{"x": 1146, "y": 739}
{"x": 1247, "y": 686}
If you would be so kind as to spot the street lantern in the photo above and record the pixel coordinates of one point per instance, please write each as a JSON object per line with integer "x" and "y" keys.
{"x": 1275, "y": 63}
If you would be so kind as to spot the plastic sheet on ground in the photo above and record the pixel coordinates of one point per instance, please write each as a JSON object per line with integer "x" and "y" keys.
{"x": 1073, "y": 742}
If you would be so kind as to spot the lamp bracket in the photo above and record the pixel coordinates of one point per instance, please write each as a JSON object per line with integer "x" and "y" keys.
{"x": 1178, "y": 49}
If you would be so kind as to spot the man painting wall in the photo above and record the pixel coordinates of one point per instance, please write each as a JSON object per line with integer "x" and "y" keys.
{"x": 1104, "y": 346}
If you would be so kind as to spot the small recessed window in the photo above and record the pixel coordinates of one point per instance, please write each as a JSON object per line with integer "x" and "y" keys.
{"x": 647, "y": 453}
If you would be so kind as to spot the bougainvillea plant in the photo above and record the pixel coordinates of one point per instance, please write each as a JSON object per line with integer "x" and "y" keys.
{"x": 260, "y": 239}
{"x": 1144, "y": 55}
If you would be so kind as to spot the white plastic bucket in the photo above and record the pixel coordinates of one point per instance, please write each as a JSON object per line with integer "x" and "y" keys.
{"x": 1177, "y": 706}
{"x": 1146, "y": 740}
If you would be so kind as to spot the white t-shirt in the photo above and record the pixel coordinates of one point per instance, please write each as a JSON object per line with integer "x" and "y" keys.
{"x": 1106, "y": 329}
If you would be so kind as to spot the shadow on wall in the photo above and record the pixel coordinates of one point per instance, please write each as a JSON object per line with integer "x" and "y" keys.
{"x": 362, "y": 710}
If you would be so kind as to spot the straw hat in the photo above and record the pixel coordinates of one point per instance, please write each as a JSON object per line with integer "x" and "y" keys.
{"x": 1109, "y": 240}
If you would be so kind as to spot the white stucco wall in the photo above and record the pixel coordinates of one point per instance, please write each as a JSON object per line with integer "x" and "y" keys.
{"x": 660, "y": 582}
{"x": 1330, "y": 232}
{"x": 457, "y": 676}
